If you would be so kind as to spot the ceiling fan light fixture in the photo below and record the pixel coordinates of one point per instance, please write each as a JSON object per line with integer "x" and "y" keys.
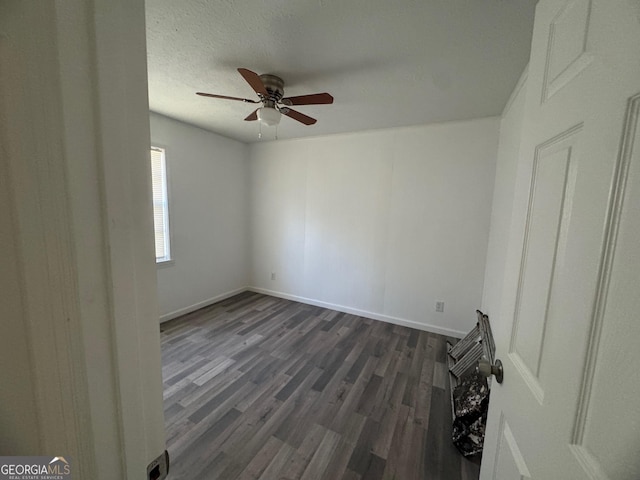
{"x": 269, "y": 116}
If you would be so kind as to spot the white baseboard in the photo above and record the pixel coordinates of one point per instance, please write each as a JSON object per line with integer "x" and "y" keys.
{"x": 317, "y": 303}
{"x": 196, "y": 306}
{"x": 363, "y": 313}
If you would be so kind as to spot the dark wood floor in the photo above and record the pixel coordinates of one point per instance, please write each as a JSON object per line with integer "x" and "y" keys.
{"x": 260, "y": 387}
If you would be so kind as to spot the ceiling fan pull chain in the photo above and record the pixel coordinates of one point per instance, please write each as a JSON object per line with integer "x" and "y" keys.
{"x": 276, "y": 131}
{"x": 259, "y": 130}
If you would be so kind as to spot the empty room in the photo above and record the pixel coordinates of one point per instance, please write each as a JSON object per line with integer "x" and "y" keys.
{"x": 313, "y": 266}
{"x": 319, "y": 239}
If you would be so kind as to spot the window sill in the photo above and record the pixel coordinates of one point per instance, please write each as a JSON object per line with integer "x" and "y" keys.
{"x": 165, "y": 263}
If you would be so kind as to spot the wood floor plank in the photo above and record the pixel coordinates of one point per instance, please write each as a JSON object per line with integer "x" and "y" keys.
{"x": 339, "y": 460}
{"x": 442, "y": 460}
{"x": 389, "y": 420}
{"x": 353, "y": 397}
{"x": 322, "y": 457}
{"x": 278, "y": 462}
{"x": 258, "y": 387}
{"x": 300, "y": 460}
{"x": 294, "y": 425}
{"x": 393, "y": 467}
{"x": 361, "y": 457}
{"x": 375, "y": 470}
{"x": 470, "y": 468}
{"x": 196, "y": 458}
{"x": 264, "y": 458}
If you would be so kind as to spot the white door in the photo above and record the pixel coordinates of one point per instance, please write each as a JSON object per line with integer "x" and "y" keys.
{"x": 569, "y": 407}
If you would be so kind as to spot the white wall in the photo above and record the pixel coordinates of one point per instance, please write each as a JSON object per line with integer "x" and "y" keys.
{"x": 383, "y": 223}
{"x": 503, "y": 196}
{"x": 208, "y": 216}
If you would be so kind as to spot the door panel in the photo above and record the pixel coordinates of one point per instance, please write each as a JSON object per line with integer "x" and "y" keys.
{"x": 567, "y": 53}
{"x": 552, "y": 188}
{"x": 606, "y": 434}
{"x": 509, "y": 460}
{"x": 568, "y": 406}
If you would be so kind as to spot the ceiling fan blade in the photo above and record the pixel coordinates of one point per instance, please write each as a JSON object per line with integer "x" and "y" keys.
{"x": 252, "y": 116}
{"x": 226, "y": 97}
{"x": 301, "y": 117}
{"x": 313, "y": 99}
{"x": 254, "y": 80}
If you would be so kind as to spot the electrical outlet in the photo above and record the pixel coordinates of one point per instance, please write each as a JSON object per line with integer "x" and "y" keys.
{"x": 439, "y": 306}
{"x": 273, "y": 275}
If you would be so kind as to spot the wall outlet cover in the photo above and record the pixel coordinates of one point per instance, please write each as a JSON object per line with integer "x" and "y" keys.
{"x": 159, "y": 468}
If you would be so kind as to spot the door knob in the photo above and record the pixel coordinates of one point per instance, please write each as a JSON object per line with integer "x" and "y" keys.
{"x": 486, "y": 369}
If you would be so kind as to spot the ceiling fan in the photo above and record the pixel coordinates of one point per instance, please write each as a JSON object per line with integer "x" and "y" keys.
{"x": 270, "y": 90}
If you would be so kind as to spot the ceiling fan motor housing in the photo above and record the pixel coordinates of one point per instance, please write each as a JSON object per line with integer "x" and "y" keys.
{"x": 275, "y": 89}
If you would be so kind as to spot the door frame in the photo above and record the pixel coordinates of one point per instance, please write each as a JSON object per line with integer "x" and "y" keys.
{"x": 75, "y": 135}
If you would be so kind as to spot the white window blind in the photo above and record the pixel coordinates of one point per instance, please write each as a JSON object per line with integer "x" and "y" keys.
{"x": 160, "y": 204}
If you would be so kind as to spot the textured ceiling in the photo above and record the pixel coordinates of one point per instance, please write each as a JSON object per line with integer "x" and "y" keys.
{"x": 387, "y": 63}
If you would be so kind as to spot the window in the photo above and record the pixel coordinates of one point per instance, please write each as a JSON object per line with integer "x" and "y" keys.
{"x": 160, "y": 204}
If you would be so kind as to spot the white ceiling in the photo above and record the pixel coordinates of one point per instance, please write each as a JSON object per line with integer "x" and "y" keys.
{"x": 387, "y": 63}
